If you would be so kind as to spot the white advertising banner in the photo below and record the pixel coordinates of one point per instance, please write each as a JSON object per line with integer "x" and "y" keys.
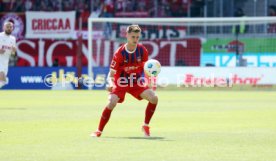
{"x": 50, "y": 24}
{"x": 213, "y": 76}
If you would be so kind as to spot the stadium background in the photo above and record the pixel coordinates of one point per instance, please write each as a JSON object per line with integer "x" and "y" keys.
{"x": 232, "y": 123}
{"x": 39, "y": 55}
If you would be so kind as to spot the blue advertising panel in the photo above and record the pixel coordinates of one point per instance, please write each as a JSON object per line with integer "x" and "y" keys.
{"x": 54, "y": 78}
{"x": 229, "y": 59}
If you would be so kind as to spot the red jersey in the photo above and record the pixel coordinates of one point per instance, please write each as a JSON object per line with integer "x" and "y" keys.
{"x": 127, "y": 64}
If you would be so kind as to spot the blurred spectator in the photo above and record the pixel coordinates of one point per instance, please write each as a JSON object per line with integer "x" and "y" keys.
{"x": 120, "y": 5}
{"x": 272, "y": 12}
{"x": 79, "y": 9}
{"x": 197, "y": 8}
{"x": 108, "y": 12}
{"x": 141, "y": 5}
{"x": 122, "y": 8}
{"x": 164, "y": 9}
{"x": 68, "y": 5}
{"x": 85, "y": 15}
{"x": 108, "y": 8}
{"x": 175, "y": 7}
{"x": 56, "y": 5}
{"x": 129, "y": 6}
{"x": 96, "y": 12}
{"x": 29, "y": 5}
{"x": 82, "y": 11}
{"x": 36, "y": 5}
{"x": 19, "y": 6}
{"x": 241, "y": 28}
{"x": 185, "y": 6}
{"x": 43, "y": 6}
{"x": 6, "y": 5}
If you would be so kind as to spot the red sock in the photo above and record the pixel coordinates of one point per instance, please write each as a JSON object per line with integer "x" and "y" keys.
{"x": 104, "y": 119}
{"x": 149, "y": 112}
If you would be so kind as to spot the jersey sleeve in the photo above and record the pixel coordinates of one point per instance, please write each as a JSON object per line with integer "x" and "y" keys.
{"x": 116, "y": 61}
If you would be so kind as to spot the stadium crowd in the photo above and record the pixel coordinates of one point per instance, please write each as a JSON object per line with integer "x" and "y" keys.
{"x": 118, "y": 8}
{"x": 122, "y": 8}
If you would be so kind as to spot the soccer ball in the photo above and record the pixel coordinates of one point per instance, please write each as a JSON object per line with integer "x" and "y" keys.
{"x": 152, "y": 67}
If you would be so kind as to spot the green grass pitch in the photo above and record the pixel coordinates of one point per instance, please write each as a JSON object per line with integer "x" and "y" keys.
{"x": 187, "y": 126}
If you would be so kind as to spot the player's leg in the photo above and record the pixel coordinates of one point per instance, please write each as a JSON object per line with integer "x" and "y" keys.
{"x": 2, "y": 79}
{"x": 113, "y": 99}
{"x": 153, "y": 100}
{"x": 112, "y": 102}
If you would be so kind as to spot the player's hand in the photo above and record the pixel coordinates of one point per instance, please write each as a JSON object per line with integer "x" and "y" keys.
{"x": 13, "y": 49}
{"x": 2, "y": 51}
{"x": 109, "y": 88}
{"x": 109, "y": 84}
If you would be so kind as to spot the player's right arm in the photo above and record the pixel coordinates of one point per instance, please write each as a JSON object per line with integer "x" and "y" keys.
{"x": 114, "y": 67}
{"x": 110, "y": 80}
{"x": 2, "y": 51}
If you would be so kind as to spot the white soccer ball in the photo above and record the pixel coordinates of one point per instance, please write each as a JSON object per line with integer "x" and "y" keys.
{"x": 152, "y": 67}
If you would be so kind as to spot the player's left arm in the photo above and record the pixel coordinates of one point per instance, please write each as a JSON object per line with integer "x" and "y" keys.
{"x": 2, "y": 51}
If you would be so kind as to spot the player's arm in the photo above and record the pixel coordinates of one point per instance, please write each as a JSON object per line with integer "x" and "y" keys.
{"x": 110, "y": 80}
{"x": 13, "y": 51}
{"x": 114, "y": 66}
{"x": 13, "y": 48}
{"x": 2, "y": 51}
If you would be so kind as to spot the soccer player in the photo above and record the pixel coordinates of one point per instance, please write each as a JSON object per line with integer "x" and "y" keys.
{"x": 7, "y": 48}
{"x": 126, "y": 69}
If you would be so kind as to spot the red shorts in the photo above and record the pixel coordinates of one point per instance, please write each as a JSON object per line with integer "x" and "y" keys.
{"x": 135, "y": 91}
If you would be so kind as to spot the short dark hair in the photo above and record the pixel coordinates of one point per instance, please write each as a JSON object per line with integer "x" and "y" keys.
{"x": 133, "y": 28}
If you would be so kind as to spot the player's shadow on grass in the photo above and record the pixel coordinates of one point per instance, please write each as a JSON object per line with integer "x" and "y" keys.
{"x": 142, "y": 138}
